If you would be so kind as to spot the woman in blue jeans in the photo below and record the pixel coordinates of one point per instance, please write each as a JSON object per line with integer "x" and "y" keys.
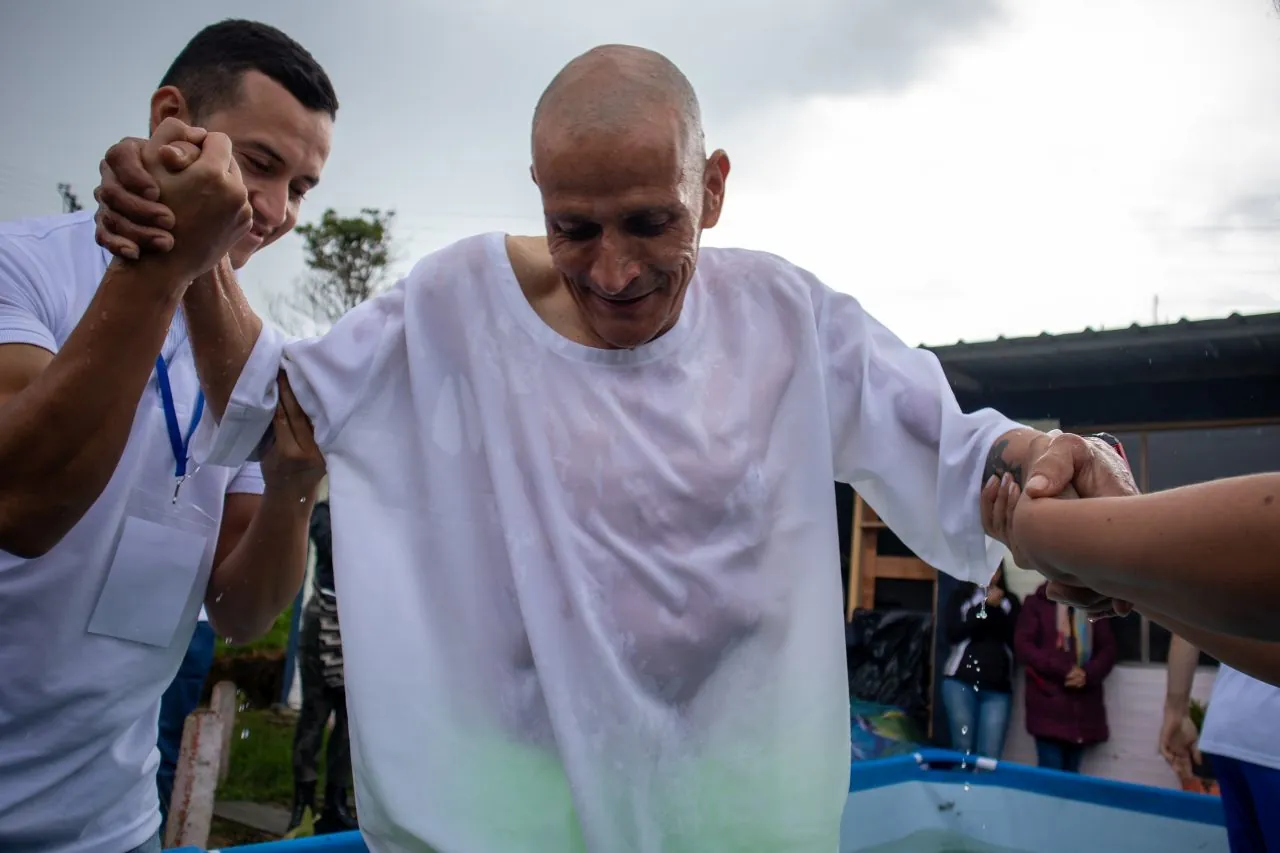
{"x": 977, "y": 684}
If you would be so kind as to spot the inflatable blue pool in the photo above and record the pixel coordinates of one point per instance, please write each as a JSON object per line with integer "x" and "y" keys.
{"x": 941, "y": 802}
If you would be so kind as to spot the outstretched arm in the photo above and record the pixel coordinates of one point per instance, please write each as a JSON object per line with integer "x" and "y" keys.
{"x": 1205, "y": 556}
{"x": 901, "y": 440}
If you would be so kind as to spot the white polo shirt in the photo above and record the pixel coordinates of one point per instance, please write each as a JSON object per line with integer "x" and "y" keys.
{"x": 93, "y": 632}
{"x": 616, "y": 572}
{"x": 1243, "y": 719}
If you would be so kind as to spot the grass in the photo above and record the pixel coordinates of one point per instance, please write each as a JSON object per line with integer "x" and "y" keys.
{"x": 262, "y": 759}
{"x": 277, "y": 639}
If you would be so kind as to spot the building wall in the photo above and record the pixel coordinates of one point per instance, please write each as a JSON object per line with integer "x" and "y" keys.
{"x": 1135, "y": 710}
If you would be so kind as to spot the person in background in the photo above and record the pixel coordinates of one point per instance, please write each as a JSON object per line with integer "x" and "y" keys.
{"x": 1067, "y": 658}
{"x": 977, "y": 686}
{"x": 323, "y": 694}
{"x": 1242, "y": 736}
{"x": 178, "y": 701}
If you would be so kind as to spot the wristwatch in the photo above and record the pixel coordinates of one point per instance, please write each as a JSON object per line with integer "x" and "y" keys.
{"x": 1112, "y": 442}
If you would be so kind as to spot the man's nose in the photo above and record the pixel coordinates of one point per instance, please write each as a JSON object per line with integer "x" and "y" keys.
{"x": 270, "y": 203}
{"x": 614, "y": 268}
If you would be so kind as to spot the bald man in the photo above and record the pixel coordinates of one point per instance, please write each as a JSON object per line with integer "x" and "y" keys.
{"x": 582, "y": 483}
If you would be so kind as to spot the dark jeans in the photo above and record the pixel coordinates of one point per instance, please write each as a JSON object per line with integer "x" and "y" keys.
{"x": 178, "y": 701}
{"x": 978, "y": 719}
{"x": 1250, "y": 793}
{"x": 1059, "y": 755}
{"x": 319, "y": 700}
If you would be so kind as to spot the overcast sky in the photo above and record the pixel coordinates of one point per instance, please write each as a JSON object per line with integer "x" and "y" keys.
{"x": 967, "y": 168}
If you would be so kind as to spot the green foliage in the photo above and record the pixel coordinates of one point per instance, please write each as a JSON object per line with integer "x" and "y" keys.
{"x": 277, "y": 639}
{"x": 348, "y": 258}
{"x": 262, "y": 759}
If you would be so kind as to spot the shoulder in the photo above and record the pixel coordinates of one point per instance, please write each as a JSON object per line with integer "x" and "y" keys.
{"x": 749, "y": 278}
{"x": 45, "y": 238}
{"x": 459, "y": 262}
{"x": 51, "y": 249}
{"x": 757, "y": 269}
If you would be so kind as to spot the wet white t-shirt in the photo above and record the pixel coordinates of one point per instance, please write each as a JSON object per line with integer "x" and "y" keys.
{"x": 93, "y": 632}
{"x": 1243, "y": 719}
{"x": 591, "y": 599}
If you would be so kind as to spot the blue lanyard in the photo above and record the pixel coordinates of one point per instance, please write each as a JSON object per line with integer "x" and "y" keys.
{"x": 176, "y": 440}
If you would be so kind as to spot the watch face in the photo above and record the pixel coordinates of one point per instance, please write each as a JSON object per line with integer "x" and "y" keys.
{"x": 1113, "y": 442}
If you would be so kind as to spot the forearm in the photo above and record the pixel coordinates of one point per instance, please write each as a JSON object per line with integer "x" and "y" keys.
{"x": 1183, "y": 658}
{"x": 62, "y": 435}
{"x": 223, "y": 329}
{"x": 1207, "y": 555}
{"x": 262, "y": 574}
{"x": 1252, "y": 657}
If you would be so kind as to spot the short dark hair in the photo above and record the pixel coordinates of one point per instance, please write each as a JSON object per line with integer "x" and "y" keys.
{"x": 209, "y": 69}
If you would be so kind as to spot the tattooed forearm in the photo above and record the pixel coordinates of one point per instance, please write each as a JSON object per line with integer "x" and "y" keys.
{"x": 998, "y": 464}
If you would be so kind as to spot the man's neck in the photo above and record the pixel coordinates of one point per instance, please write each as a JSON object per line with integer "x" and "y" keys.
{"x": 546, "y": 291}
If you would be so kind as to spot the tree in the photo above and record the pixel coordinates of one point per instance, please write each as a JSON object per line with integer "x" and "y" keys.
{"x": 348, "y": 259}
{"x": 70, "y": 204}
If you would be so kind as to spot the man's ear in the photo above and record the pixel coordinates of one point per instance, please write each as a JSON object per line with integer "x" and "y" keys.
{"x": 168, "y": 102}
{"x": 714, "y": 177}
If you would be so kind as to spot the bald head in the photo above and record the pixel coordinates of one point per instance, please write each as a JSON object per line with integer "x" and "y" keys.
{"x": 615, "y": 90}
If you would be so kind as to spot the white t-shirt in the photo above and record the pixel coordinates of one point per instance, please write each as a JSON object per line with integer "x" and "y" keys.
{"x": 78, "y": 704}
{"x": 1243, "y": 719}
{"x": 591, "y": 599}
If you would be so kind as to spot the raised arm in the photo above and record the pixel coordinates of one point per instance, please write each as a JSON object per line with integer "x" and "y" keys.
{"x": 239, "y": 358}
{"x": 222, "y": 325}
{"x": 1205, "y": 556}
{"x": 65, "y": 418}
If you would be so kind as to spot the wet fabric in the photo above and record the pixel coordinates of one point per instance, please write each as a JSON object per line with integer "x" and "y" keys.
{"x": 591, "y": 598}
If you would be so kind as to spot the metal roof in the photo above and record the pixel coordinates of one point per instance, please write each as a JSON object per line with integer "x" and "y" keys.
{"x": 1229, "y": 347}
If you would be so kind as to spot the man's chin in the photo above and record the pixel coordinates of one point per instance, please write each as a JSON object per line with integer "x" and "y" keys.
{"x": 240, "y": 256}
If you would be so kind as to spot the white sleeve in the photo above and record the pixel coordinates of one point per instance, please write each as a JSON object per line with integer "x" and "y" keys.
{"x": 247, "y": 481}
{"x": 328, "y": 374}
{"x": 28, "y": 307}
{"x": 900, "y": 439}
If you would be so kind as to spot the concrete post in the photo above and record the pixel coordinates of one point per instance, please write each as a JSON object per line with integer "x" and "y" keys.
{"x": 223, "y": 703}
{"x": 196, "y": 781}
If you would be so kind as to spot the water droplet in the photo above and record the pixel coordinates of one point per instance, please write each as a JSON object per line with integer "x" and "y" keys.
{"x": 964, "y": 730}
{"x": 219, "y": 598}
{"x": 982, "y": 608}
{"x": 966, "y": 786}
{"x": 244, "y": 733}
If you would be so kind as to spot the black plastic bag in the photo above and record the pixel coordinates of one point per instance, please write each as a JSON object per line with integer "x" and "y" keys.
{"x": 888, "y": 657}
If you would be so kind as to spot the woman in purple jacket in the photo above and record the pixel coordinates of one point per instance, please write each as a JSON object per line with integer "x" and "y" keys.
{"x": 1067, "y": 658}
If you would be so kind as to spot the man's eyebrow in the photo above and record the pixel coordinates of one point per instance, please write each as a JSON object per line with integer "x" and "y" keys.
{"x": 568, "y": 217}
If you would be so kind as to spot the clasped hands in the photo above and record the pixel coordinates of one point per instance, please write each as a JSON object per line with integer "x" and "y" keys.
{"x": 179, "y": 200}
{"x": 1067, "y": 463}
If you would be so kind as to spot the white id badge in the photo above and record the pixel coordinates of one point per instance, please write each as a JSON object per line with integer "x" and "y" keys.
{"x": 154, "y": 571}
